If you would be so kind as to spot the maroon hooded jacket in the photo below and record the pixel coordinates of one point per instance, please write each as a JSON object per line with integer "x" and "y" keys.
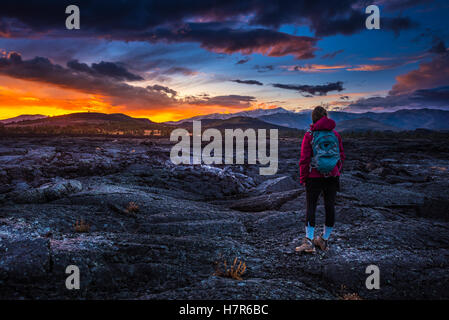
{"x": 306, "y": 151}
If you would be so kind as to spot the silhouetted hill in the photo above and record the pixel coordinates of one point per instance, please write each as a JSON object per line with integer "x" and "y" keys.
{"x": 88, "y": 123}
{"x": 88, "y": 118}
{"x": 23, "y": 117}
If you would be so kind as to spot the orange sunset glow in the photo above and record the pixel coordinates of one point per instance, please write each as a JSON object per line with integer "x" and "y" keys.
{"x": 30, "y": 97}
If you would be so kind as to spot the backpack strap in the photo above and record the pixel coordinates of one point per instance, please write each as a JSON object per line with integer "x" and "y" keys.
{"x": 311, "y": 142}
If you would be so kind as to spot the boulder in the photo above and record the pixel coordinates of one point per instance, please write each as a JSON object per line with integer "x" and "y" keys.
{"x": 48, "y": 192}
{"x": 279, "y": 184}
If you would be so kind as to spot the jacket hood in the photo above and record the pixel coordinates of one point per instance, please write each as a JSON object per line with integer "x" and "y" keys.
{"x": 323, "y": 124}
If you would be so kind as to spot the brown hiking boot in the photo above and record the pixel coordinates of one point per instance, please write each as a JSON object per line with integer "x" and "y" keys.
{"x": 306, "y": 246}
{"x": 321, "y": 243}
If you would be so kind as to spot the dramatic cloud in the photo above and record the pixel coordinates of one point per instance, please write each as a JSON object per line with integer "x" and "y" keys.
{"x": 159, "y": 88}
{"x": 312, "y": 90}
{"x": 230, "y": 101}
{"x": 103, "y": 68}
{"x": 248, "y": 82}
{"x": 428, "y": 86}
{"x": 429, "y": 75}
{"x": 42, "y": 70}
{"x": 326, "y": 17}
{"x": 243, "y": 61}
{"x": 317, "y": 68}
{"x": 171, "y": 21}
{"x": 81, "y": 77}
{"x": 314, "y": 68}
{"x": 221, "y": 39}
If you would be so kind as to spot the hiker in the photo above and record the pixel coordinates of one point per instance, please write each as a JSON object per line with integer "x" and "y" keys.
{"x": 320, "y": 165}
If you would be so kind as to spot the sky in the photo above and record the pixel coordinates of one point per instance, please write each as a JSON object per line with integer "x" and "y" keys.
{"x": 168, "y": 60}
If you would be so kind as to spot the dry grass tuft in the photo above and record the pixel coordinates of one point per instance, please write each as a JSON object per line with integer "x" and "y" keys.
{"x": 234, "y": 271}
{"x": 344, "y": 295}
{"x": 351, "y": 296}
{"x": 81, "y": 226}
{"x": 132, "y": 207}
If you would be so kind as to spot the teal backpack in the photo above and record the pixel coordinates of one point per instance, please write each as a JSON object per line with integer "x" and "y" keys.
{"x": 326, "y": 152}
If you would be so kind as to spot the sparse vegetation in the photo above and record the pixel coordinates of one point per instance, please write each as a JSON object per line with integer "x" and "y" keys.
{"x": 351, "y": 296}
{"x": 132, "y": 207}
{"x": 234, "y": 271}
{"x": 81, "y": 226}
{"x": 344, "y": 295}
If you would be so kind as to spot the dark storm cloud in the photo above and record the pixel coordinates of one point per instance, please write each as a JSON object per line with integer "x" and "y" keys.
{"x": 108, "y": 69}
{"x": 81, "y": 78}
{"x": 354, "y": 22}
{"x": 243, "y": 61}
{"x": 114, "y": 70}
{"x": 327, "y": 17}
{"x": 161, "y": 20}
{"x": 222, "y": 39}
{"x": 159, "y": 88}
{"x": 248, "y": 82}
{"x": 232, "y": 101}
{"x": 312, "y": 90}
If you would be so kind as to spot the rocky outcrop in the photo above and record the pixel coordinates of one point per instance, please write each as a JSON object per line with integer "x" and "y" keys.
{"x": 280, "y": 184}
{"x": 47, "y": 192}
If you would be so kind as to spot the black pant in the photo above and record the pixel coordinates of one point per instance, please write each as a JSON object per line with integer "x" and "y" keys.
{"x": 314, "y": 186}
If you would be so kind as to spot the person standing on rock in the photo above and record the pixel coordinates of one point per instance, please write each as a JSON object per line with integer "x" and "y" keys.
{"x": 321, "y": 161}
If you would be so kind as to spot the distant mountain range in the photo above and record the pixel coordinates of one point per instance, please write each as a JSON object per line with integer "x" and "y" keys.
{"x": 279, "y": 118}
{"x": 406, "y": 119}
{"x": 239, "y": 122}
{"x": 223, "y": 116}
{"x": 363, "y": 124}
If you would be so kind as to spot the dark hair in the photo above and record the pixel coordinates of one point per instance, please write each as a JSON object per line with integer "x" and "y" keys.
{"x": 318, "y": 113}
